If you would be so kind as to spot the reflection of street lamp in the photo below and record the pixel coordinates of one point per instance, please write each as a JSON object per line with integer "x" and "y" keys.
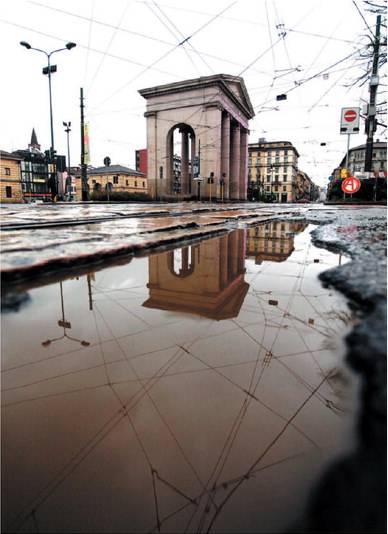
{"x": 48, "y": 70}
{"x": 65, "y": 325}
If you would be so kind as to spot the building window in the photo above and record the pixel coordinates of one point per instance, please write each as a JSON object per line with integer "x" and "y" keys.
{"x": 276, "y": 187}
{"x": 144, "y": 185}
{"x": 7, "y": 171}
{"x": 8, "y": 191}
{"x": 284, "y": 188}
{"x": 115, "y": 179}
{"x": 93, "y": 181}
{"x": 267, "y": 188}
{"x": 268, "y": 177}
{"x": 277, "y": 177}
{"x": 126, "y": 182}
{"x": 284, "y": 177}
{"x": 135, "y": 183}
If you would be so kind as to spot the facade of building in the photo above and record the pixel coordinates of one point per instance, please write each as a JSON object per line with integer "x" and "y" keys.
{"x": 10, "y": 178}
{"x": 117, "y": 178}
{"x": 272, "y": 170}
{"x": 305, "y": 189}
{"x": 356, "y": 162}
{"x": 141, "y": 160}
{"x": 39, "y": 177}
{"x": 273, "y": 241}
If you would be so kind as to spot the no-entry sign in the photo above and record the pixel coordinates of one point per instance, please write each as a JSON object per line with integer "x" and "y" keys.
{"x": 350, "y": 115}
{"x": 350, "y": 120}
{"x": 350, "y": 185}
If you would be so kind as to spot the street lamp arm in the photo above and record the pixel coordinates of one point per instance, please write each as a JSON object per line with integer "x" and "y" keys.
{"x": 39, "y": 50}
{"x": 54, "y": 51}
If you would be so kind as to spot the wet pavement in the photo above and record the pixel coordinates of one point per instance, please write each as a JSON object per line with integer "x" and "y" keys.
{"x": 198, "y": 389}
{"x": 180, "y": 368}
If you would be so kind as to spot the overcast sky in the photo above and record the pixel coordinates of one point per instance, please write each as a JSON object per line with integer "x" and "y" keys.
{"x": 127, "y": 45}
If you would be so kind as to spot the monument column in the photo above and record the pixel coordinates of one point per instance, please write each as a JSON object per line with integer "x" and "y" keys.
{"x": 223, "y": 261}
{"x": 192, "y": 156}
{"x": 235, "y": 163}
{"x": 233, "y": 256}
{"x": 225, "y": 153}
{"x": 243, "y": 182}
{"x": 185, "y": 163}
{"x": 170, "y": 175}
{"x": 241, "y": 250}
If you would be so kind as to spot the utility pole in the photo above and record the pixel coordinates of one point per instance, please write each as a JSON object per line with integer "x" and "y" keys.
{"x": 370, "y": 123}
{"x": 84, "y": 178}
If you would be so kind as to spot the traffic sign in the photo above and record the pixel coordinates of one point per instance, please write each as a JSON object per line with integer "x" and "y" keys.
{"x": 350, "y": 120}
{"x": 350, "y": 185}
{"x": 344, "y": 173}
{"x": 350, "y": 115}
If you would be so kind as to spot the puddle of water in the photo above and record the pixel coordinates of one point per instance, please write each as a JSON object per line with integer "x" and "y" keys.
{"x": 199, "y": 389}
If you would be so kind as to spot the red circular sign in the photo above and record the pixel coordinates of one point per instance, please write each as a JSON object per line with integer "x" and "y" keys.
{"x": 350, "y": 185}
{"x": 350, "y": 115}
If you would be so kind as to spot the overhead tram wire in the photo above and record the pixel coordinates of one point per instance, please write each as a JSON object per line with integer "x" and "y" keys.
{"x": 96, "y": 50}
{"x": 170, "y": 30}
{"x": 204, "y": 13}
{"x": 108, "y": 46}
{"x": 182, "y": 36}
{"x": 163, "y": 56}
{"x": 132, "y": 32}
{"x": 363, "y": 18}
{"x": 89, "y": 40}
{"x": 302, "y": 82}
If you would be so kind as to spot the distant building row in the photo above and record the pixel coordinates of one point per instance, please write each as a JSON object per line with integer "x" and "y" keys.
{"x": 25, "y": 176}
{"x": 273, "y": 172}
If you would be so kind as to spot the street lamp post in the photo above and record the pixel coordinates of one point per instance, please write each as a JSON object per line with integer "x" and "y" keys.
{"x": 68, "y": 130}
{"x": 48, "y": 70}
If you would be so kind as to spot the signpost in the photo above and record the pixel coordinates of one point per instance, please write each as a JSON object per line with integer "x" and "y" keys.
{"x": 210, "y": 181}
{"x": 198, "y": 179}
{"x": 350, "y": 124}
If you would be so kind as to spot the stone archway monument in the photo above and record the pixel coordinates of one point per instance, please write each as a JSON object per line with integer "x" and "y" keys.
{"x": 209, "y": 116}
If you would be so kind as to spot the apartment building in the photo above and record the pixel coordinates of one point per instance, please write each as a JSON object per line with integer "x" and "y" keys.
{"x": 272, "y": 171}
{"x": 10, "y": 177}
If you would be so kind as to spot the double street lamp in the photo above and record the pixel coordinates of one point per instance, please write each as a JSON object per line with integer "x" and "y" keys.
{"x": 47, "y": 71}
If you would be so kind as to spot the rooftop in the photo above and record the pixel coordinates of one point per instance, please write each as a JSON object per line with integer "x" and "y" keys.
{"x": 114, "y": 169}
{"x": 7, "y": 155}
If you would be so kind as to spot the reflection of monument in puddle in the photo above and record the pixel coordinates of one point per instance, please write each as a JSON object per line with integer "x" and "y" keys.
{"x": 273, "y": 241}
{"x": 206, "y": 279}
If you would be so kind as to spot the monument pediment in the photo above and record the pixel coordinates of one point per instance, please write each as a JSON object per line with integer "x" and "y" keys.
{"x": 233, "y": 87}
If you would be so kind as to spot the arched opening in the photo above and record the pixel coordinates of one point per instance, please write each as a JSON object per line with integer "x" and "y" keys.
{"x": 181, "y": 262}
{"x": 180, "y": 159}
